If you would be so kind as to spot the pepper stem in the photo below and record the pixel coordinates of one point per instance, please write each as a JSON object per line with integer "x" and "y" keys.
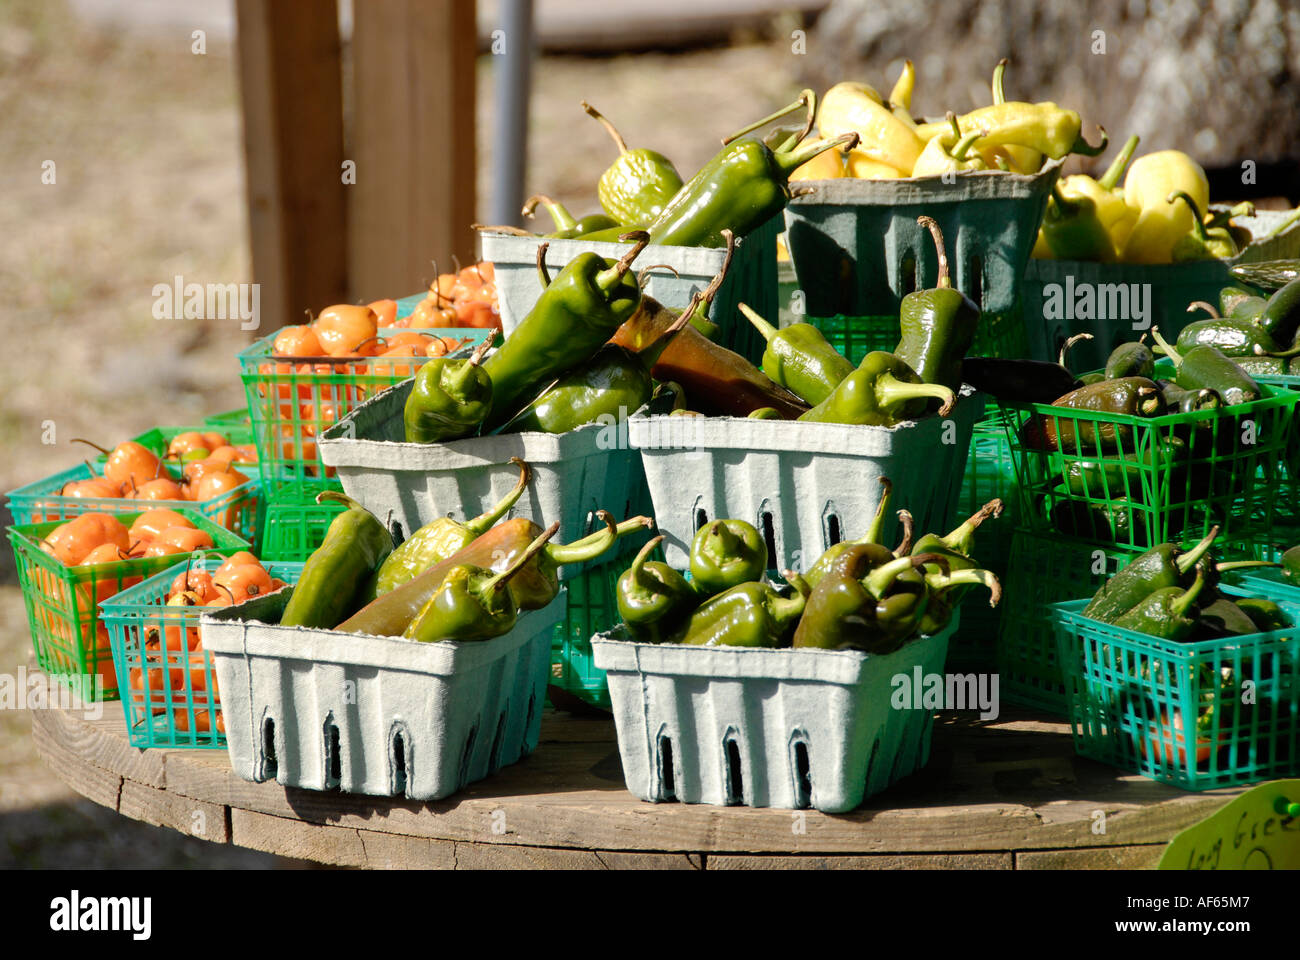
{"x": 650, "y": 354}
{"x": 766, "y": 329}
{"x": 1198, "y": 226}
{"x": 501, "y": 228}
{"x": 1084, "y": 148}
{"x": 806, "y": 99}
{"x": 890, "y": 392}
{"x": 90, "y": 444}
{"x": 456, "y": 378}
{"x": 969, "y": 577}
{"x": 727, "y": 543}
{"x": 1243, "y": 564}
{"x": 337, "y": 496}
{"x": 909, "y": 528}
{"x": 901, "y": 94}
{"x": 594, "y": 544}
{"x": 1183, "y": 603}
{"x": 609, "y": 127}
{"x": 956, "y": 128}
{"x": 543, "y": 275}
{"x": 964, "y": 144}
{"x": 1065, "y": 348}
{"x": 998, "y": 71}
{"x": 1193, "y": 556}
{"x": 643, "y": 274}
{"x": 560, "y": 215}
{"x": 1110, "y": 179}
{"x": 793, "y": 578}
{"x": 486, "y": 521}
{"x": 639, "y": 561}
{"x": 1169, "y": 351}
{"x": 878, "y": 581}
{"x": 532, "y": 550}
{"x": 788, "y": 161}
{"x": 1209, "y": 308}
{"x": 715, "y": 284}
{"x": 933, "y": 226}
{"x": 786, "y": 609}
{"x": 877, "y": 527}
{"x": 959, "y": 539}
{"x": 607, "y": 280}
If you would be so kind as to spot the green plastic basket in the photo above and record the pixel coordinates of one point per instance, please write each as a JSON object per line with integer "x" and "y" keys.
{"x": 290, "y": 403}
{"x": 999, "y": 334}
{"x": 71, "y": 643}
{"x": 1135, "y": 701}
{"x": 1134, "y": 494}
{"x": 171, "y": 697}
{"x": 229, "y": 420}
{"x": 293, "y": 523}
{"x": 591, "y": 608}
{"x": 990, "y": 473}
{"x": 237, "y": 509}
{"x": 1042, "y": 571}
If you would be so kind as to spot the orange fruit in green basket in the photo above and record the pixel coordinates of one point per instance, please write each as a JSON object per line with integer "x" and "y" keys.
{"x": 92, "y": 487}
{"x": 297, "y": 341}
{"x": 196, "y": 582}
{"x": 132, "y": 464}
{"x": 186, "y": 539}
{"x": 149, "y": 524}
{"x": 343, "y": 328}
{"x": 106, "y": 586}
{"x": 241, "y": 581}
{"x": 72, "y": 541}
{"x": 186, "y": 442}
{"x": 162, "y": 488}
{"x": 385, "y": 310}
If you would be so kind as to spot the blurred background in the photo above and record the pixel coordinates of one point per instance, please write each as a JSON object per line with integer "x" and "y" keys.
{"x": 208, "y": 139}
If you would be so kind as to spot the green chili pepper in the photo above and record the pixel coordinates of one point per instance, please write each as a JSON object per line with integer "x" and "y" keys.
{"x": 1280, "y": 315}
{"x": 441, "y": 538}
{"x": 1201, "y": 244}
{"x": 473, "y": 603}
{"x": 725, "y": 553}
{"x": 334, "y": 578}
{"x": 938, "y": 326}
{"x": 1231, "y": 297}
{"x": 1111, "y": 522}
{"x": 653, "y": 598}
{"x": 449, "y": 400}
{"x": 1163, "y": 613}
{"x": 1180, "y": 400}
{"x": 871, "y": 537}
{"x": 882, "y": 391}
{"x": 586, "y": 302}
{"x": 749, "y": 614}
{"x": 1233, "y": 336}
{"x": 1131, "y": 360}
{"x": 614, "y": 383}
{"x": 566, "y": 226}
{"x": 1158, "y": 568}
{"x": 1268, "y": 366}
{"x": 1263, "y": 613}
{"x": 532, "y": 588}
{"x": 765, "y": 413}
{"x": 946, "y": 591}
{"x": 1207, "y": 368}
{"x": 639, "y": 184}
{"x": 741, "y": 188}
{"x": 799, "y": 358}
{"x": 1269, "y": 274}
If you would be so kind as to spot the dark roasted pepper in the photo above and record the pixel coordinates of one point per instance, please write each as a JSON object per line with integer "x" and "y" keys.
{"x": 334, "y": 578}
{"x": 1129, "y": 396}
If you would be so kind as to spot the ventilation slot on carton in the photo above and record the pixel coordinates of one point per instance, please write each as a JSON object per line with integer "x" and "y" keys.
{"x": 270, "y": 766}
{"x": 908, "y": 280}
{"x": 467, "y": 755}
{"x": 494, "y": 758}
{"x": 701, "y": 517}
{"x": 667, "y": 787}
{"x": 769, "y": 537}
{"x": 833, "y": 533}
{"x": 333, "y": 762}
{"x": 802, "y": 776}
{"x": 397, "y": 762}
{"x": 735, "y": 779}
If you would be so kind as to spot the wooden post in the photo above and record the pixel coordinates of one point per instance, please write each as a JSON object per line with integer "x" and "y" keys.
{"x": 291, "y": 87}
{"x": 412, "y": 139}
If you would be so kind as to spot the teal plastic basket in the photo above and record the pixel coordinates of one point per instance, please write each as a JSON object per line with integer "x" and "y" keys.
{"x": 293, "y": 523}
{"x": 591, "y": 608}
{"x": 171, "y": 697}
{"x": 1218, "y": 713}
{"x": 237, "y": 509}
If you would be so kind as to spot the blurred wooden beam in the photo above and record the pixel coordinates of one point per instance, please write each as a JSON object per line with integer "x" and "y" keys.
{"x": 412, "y": 139}
{"x": 292, "y": 92}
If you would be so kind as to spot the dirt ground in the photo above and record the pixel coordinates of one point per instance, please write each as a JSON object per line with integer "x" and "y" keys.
{"x": 143, "y": 142}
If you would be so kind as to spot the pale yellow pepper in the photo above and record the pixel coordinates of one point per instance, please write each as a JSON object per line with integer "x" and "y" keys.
{"x": 857, "y": 108}
{"x": 1161, "y": 224}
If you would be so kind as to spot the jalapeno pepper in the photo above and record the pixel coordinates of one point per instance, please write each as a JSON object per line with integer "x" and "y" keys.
{"x": 441, "y": 538}
{"x": 882, "y": 391}
{"x": 573, "y": 317}
{"x": 1206, "y": 367}
{"x": 1131, "y": 360}
{"x": 653, "y": 599}
{"x": 725, "y": 553}
{"x": 1130, "y": 396}
{"x": 450, "y": 399}
{"x": 799, "y": 358}
{"x": 335, "y": 575}
{"x": 1280, "y": 315}
{"x": 1164, "y": 565}
{"x": 1263, "y": 613}
{"x": 1164, "y": 612}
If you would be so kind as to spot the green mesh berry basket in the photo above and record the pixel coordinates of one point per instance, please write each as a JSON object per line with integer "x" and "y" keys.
{"x": 69, "y": 638}
{"x": 1287, "y": 500}
{"x": 1217, "y": 713}
{"x": 229, "y": 420}
{"x": 1041, "y": 571}
{"x": 990, "y": 473}
{"x": 291, "y": 401}
{"x": 999, "y": 334}
{"x": 237, "y": 509}
{"x": 591, "y": 608}
{"x": 293, "y": 523}
{"x": 171, "y": 697}
{"x": 1131, "y": 481}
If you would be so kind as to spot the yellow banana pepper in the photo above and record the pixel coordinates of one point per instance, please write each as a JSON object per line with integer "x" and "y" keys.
{"x": 1161, "y": 224}
{"x": 862, "y": 167}
{"x": 949, "y": 153}
{"x": 824, "y": 166}
{"x": 1019, "y": 159}
{"x": 901, "y": 95}
{"x": 1051, "y": 130}
{"x": 855, "y": 107}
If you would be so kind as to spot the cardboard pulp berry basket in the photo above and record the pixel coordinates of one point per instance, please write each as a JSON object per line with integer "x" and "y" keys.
{"x": 171, "y": 698}
{"x": 384, "y": 716}
{"x": 765, "y": 728}
{"x": 69, "y": 637}
{"x": 1215, "y": 713}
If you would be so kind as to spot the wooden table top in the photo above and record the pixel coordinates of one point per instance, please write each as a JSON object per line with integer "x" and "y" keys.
{"x": 1008, "y": 794}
